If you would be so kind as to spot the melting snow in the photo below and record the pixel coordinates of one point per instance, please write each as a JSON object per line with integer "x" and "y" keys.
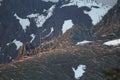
{"x": 40, "y": 19}
{"x": 67, "y": 25}
{"x": 79, "y": 71}
{"x": 83, "y": 42}
{"x": 10, "y": 57}
{"x": 33, "y": 15}
{"x": 8, "y": 44}
{"x": 54, "y": 1}
{"x": 96, "y": 14}
{"x": 52, "y": 29}
{"x": 113, "y": 42}
{"x": 44, "y": 10}
{"x": 23, "y": 22}
{"x": 17, "y": 43}
{"x": 81, "y": 3}
{"x": 33, "y": 37}
{"x": 109, "y": 2}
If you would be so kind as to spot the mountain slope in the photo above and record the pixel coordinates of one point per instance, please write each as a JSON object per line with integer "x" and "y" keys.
{"x": 57, "y": 64}
{"x": 38, "y": 21}
{"x": 62, "y": 61}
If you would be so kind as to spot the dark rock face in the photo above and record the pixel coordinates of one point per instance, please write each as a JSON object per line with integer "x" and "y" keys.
{"x": 11, "y": 29}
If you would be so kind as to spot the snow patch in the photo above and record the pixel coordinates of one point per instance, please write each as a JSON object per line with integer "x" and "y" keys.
{"x": 113, "y": 42}
{"x": 79, "y": 71}
{"x": 54, "y": 1}
{"x": 33, "y": 37}
{"x": 17, "y": 43}
{"x": 109, "y": 2}
{"x": 67, "y": 25}
{"x": 8, "y": 44}
{"x": 81, "y": 3}
{"x": 23, "y": 22}
{"x": 44, "y": 10}
{"x": 52, "y": 29}
{"x": 33, "y": 15}
{"x": 83, "y": 42}
{"x": 40, "y": 19}
{"x": 96, "y": 14}
{"x": 9, "y": 57}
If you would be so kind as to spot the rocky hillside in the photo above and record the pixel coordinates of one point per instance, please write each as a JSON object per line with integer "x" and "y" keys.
{"x": 57, "y": 64}
{"x": 71, "y": 37}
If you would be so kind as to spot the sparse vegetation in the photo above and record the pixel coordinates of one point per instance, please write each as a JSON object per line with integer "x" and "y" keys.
{"x": 113, "y": 73}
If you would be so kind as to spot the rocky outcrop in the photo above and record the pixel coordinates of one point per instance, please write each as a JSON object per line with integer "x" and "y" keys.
{"x": 25, "y": 50}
